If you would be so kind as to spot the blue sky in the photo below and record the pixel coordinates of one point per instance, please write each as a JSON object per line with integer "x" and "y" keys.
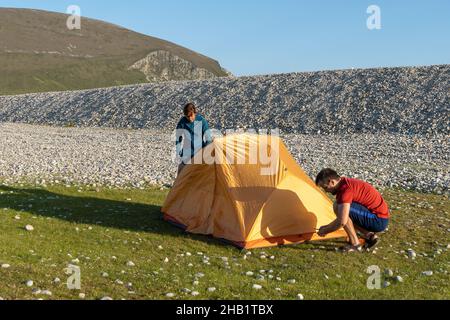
{"x": 251, "y": 37}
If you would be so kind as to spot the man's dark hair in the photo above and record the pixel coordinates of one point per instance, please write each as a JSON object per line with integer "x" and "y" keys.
{"x": 189, "y": 109}
{"x": 326, "y": 174}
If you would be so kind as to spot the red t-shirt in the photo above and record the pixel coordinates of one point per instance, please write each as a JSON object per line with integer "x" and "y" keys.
{"x": 353, "y": 190}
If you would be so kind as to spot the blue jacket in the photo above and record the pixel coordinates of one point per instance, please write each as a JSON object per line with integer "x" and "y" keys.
{"x": 192, "y": 136}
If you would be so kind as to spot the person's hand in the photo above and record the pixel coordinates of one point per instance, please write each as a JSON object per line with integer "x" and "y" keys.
{"x": 322, "y": 231}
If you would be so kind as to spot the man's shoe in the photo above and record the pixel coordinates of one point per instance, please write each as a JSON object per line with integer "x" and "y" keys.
{"x": 372, "y": 241}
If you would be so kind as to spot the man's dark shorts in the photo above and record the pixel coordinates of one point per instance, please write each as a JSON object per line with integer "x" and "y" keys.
{"x": 362, "y": 217}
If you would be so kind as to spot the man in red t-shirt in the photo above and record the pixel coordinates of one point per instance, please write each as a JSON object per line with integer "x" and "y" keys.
{"x": 358, "y": 206}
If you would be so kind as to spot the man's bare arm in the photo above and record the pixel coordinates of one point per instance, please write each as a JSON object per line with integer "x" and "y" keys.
{"x": 341, "y": 220}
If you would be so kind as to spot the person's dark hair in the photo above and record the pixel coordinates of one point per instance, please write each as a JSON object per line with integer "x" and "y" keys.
{"x": 326, "y": 174}
{"x": 189, "y": 109}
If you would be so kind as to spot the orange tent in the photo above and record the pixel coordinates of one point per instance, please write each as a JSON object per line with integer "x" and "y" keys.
{"x": 249, "y": 198}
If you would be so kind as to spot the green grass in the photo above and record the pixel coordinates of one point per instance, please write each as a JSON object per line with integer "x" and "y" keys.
{"x": 93, "y": 225}
{"x": 27, "y": 73}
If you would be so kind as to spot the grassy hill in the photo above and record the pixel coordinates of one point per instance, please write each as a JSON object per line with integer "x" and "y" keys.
{"x": 100, "y": 230}
{"x": 38, "y": 53}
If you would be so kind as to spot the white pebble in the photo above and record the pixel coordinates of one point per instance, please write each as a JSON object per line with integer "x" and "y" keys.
{"x": 36, "y": 291}
{"x": 412, "y": 254}
{"x": 389, "y": 273}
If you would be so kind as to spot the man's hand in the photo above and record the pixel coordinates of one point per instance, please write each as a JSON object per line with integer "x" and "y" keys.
{"x": 323, "y": 231}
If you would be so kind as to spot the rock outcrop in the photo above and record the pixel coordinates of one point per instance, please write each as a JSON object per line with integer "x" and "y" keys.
{"x": 162, "y": 65}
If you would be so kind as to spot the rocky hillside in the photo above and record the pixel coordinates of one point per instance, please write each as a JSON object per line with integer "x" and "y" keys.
{"x": 39, "y": 53}
{"x": 398, "y": 100}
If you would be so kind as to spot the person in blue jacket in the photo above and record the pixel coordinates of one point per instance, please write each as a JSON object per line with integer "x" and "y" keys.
{"x": 193, "y": 135}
